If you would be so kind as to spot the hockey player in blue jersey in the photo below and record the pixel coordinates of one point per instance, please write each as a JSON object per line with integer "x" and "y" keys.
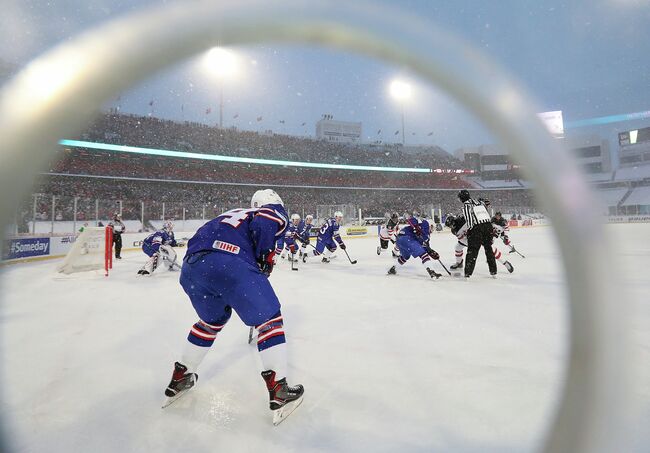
{"x": 289, "y": 241}
{"x": 303, "y": 233}
{"x": 159, "y": 246}
{"x": 328, "y": 238}
{"x": 226, "y": 268}
{"x": 413, "y": 241}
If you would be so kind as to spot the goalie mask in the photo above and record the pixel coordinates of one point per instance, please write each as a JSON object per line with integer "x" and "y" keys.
{"x": 168, "y": 226}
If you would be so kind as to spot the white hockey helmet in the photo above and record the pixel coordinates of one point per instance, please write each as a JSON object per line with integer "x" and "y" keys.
{"x": 309, "y": 218}
{"x": 295, "y": 218}
{"x": 264, "y": 197}
{"x": 338, "y": 215}
{"x": 168, "y": 226}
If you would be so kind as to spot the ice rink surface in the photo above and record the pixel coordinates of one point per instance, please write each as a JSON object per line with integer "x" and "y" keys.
{"x": 389, "y": 363}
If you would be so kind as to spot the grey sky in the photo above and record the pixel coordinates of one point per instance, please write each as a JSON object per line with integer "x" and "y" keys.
{"x": 587, "y": 58}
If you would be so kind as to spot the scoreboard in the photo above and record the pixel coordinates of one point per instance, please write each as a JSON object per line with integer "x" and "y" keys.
{"x": 634, "y": 136}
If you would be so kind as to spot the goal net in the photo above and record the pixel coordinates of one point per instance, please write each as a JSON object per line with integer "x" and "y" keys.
{"x": 92, "y": 250}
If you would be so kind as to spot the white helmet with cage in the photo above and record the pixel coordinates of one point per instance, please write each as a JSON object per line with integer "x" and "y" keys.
{"x": 264, "y": 197}
{"x": 309, "y": 218}
{"x": 338, "y": 215}
{"x": 168, "y": 225}
{"x": 295, "y": 218}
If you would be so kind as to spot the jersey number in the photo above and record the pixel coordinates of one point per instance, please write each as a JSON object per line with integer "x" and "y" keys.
{"x": 235, "y": 217}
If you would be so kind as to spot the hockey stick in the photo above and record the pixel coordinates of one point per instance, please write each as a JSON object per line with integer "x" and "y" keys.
{"x": 514, "y": 250}
{"x": 444, "y": 267}
{"x": 250, "y": 336}
{"x": 349, "y": 259}
{"x": 430, "y": 253}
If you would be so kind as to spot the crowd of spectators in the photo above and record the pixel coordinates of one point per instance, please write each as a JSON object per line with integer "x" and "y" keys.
{"x": 99, "y": 183}
{"x": 151, "y": 132}
{"x": 88, "y": 162}
{"x": 209, "y": 199}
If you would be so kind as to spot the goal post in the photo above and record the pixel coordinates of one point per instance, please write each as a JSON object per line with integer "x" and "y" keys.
{"x": 92, "y": 250}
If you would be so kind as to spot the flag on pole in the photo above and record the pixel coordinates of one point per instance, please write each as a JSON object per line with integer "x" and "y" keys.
{"x": 429, "y": 134}
{"x": 236, "y": 115}
{"x": 208, "y": 110}
{"x": 396, "y": 132}
{"x": 259, "y": 118}
{"x": 151, "y": 103}
{"x": 281, "y": 121}
{"x": 379, "y": 132}
{"x": 303, "y": 124}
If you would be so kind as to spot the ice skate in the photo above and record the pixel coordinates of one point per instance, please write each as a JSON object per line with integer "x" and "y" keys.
{"x": 509, "y": 266}
{"x": 378, "y": 250}
{"x": 433, "y": 274}
{"x": 143, "y": 272}
{"x": 325, "y": 260}
{"x": 283, "y": 399}
{"x": 392, "y": 271}
{"x": 457, "y": 265}
{"x": 181, "y": 382}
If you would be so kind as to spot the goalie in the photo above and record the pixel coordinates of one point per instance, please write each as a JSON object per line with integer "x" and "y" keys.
{"x": 159, "y": 246}
{"x": 388, "y": 233}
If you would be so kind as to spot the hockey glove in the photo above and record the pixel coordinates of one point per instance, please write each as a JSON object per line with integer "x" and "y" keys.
{"x": 266, "y": 262}
{"x": 432, "y": 252}
{"x": 342, "y": 245}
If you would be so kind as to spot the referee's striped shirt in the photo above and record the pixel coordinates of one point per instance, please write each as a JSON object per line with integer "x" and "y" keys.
{"x": 475, "y": 213}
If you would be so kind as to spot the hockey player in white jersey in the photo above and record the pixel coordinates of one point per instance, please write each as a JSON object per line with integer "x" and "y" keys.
{"x": 388, "y": 234}
{"x": 458, "y": 228}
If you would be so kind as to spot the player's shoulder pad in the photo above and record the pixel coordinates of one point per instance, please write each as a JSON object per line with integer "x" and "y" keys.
{"x": 272, "y": 212}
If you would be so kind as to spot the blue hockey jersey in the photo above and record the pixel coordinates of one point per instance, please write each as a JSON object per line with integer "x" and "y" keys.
{"x": 416, "y": 229}
{"x": 161, "y": 237}
{"x": 303, "y": 230}
{"x": 246, "y": 233}
{"x": 329, "y": 231}
{"x": 291, "y": 231}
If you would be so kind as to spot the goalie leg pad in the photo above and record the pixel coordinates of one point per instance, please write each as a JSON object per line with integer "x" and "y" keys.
{"x": 168, "y": 253}
{"x": 152, "y": 263}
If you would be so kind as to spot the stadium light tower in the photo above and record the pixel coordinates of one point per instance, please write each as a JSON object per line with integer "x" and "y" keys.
{"x": 223, "y": 64}
{"x": 401, "y": 92}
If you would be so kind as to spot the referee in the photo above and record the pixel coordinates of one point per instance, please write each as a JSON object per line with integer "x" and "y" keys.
{"x": 479, "y": 233}
{"x": 118, "y": 228}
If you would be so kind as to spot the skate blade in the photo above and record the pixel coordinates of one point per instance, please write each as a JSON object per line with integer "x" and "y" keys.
{"x": 280, "y": 414}
{"x": 172, "y": 399}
